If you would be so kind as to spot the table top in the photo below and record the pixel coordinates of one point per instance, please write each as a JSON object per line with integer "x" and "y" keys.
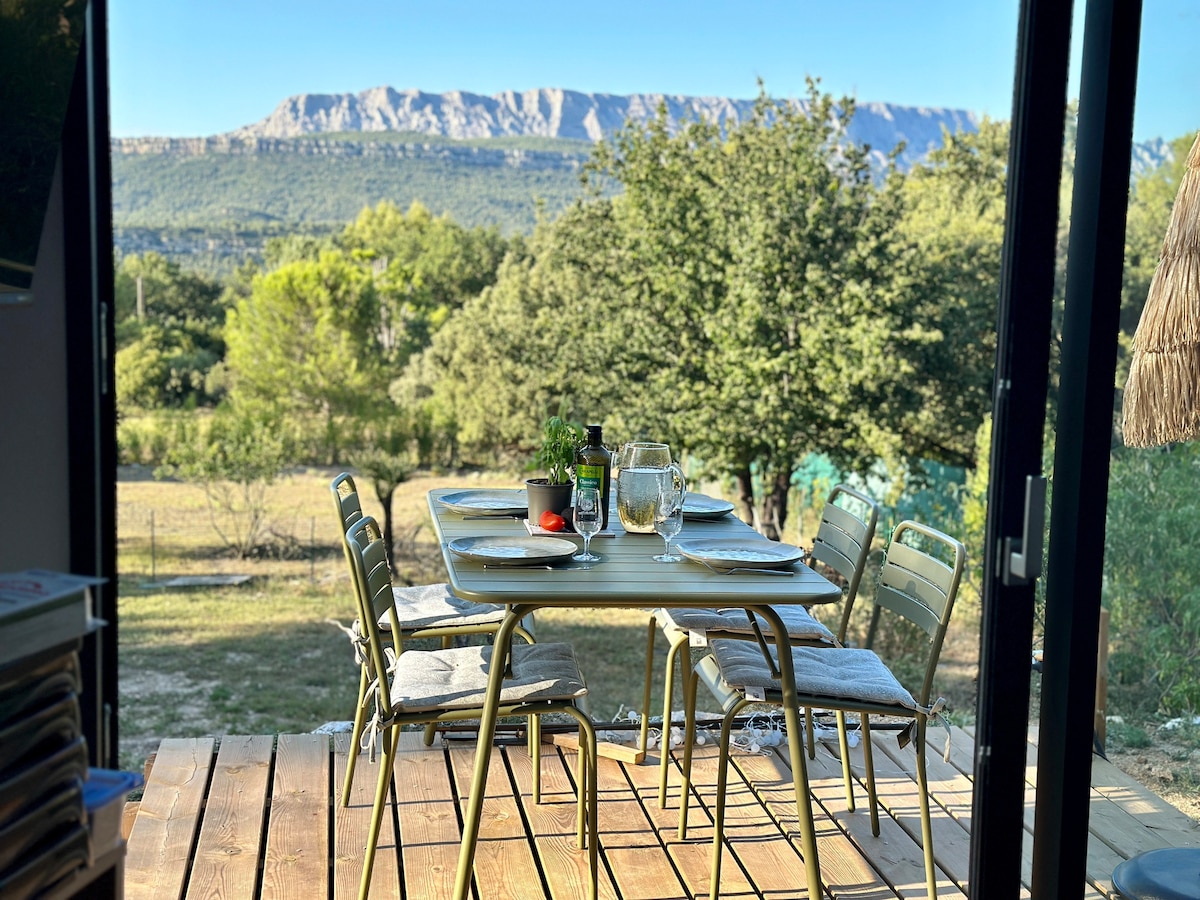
{"x": 626, "y": 575}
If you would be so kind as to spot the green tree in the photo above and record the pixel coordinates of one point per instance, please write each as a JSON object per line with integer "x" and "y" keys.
{"x": 165, "y": 349}
{"x": 425, "y": 268}
{"x": 953, "y": 226}
{"x": 760, "y": 264}
{"x": 1151, "y": 583}
{"x": 305, "y": 342}
{"x": 234, "y": 458}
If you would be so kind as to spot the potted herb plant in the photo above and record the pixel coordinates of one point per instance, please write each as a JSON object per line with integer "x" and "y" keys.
{"x": 556, "y": 457}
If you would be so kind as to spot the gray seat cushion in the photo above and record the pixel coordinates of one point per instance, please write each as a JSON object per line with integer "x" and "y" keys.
{"x": 685, "y": 619}
{"x": 426, "y": 680}
{"x": 836, "y": 672}
{"x": 436, "y": 606}
{"x": 799, "y": 622}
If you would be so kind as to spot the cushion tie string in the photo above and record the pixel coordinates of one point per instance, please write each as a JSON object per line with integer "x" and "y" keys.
{"x": 935, "y": 714}
{"x": 357, "y": 639}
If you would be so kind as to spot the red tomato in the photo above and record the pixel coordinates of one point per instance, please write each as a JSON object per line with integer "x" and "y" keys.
{"x": 552, "y": 521}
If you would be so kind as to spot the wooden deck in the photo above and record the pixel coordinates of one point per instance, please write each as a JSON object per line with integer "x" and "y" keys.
{"x": 259, "y": 818}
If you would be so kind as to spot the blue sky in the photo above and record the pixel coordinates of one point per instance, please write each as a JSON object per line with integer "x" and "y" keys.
{"x": 184, "y": 68}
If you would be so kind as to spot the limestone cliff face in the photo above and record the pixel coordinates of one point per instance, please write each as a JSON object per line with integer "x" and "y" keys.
{"x": 554, "y": 112}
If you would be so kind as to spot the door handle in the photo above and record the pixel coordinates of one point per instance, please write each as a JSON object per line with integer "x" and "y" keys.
{"x": 1023, "y": 555}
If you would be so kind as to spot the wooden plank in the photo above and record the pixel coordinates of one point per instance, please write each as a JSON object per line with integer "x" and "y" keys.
{"x": 899, "y": 795}
{"x": 634, "y": 855}
{"x": 692, "y": 857}
{"x": 896, "y": 854}
{"x": 607, "y": 749}
{"x": 226, "y": 863}
{"x": 504, "y": 858}
{"x": 1175, "y": 827}
{"x": 962, "y": 747}
{"x": 425, "y": 799}
{"x": 350, "y": 830}
{"x": 949, "y": 787}
{"x": 296, "y": 860}
{"x": 755, "y": 847}
{"x": 160, "y": 844}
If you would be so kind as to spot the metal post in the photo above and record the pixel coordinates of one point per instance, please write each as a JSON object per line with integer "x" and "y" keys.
{"x": 1084, "y": 432}
{"x": 1022, "y": 362}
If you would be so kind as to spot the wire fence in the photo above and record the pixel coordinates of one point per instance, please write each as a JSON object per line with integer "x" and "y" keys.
{"x": 149, "y": 537}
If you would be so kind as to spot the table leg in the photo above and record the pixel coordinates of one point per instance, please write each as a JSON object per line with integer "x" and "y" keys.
{"x": 483, "y": 750}
{"x": 791, "y": 717}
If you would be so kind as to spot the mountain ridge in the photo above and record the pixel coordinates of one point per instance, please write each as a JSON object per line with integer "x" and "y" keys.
{"x": 564, "y": 113}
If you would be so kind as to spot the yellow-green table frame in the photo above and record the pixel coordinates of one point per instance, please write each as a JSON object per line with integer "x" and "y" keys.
{"x": 626, "y": 577}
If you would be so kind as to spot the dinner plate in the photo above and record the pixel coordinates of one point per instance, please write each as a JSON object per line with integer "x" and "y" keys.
{"x": 486, "y": 503}
{"x": 743, "y": 553}
{"x": 514, "y": 551}
{"x": 700, "y": 507}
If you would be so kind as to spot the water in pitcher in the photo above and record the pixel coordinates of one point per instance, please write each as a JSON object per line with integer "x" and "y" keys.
{"x": 636, "y": 496}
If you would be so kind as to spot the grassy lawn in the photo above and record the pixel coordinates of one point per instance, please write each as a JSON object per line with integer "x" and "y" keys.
{"x": 260, "y": 658}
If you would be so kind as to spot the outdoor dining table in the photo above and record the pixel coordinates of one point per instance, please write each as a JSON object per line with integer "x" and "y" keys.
{"x": 625, "y": 577}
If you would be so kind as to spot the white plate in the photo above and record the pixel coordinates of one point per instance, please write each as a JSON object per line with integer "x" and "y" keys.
{"x": 513, "y": 551}
{"x": 700, "y": 507}
{"x": 744, "y": 553}
{"x": 486, "y": 503}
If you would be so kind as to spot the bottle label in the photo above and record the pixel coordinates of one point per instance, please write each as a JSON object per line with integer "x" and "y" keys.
{"x": 590, "y": 476}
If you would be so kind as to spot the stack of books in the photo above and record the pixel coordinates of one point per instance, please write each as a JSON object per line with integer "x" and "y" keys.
{"x": 41, "y": 609}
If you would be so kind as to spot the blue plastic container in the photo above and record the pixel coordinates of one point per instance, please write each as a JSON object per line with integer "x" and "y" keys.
{"x": 104, "y": 796}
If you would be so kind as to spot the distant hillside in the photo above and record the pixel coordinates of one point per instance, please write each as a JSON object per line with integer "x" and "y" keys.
{"x": 208, "y": 202}
{"x": 318, "y": 159}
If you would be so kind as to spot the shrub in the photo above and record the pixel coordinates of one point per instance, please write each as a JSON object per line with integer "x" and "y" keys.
{"x": 1151, "y": 581}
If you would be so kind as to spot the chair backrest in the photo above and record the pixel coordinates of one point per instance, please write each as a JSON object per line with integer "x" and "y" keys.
{"x": 349, "y": 509}
{"x": 844, "y": 539}
{"x": 366, "y": 549}
{"x": 918, "y": 584}
{"x": 345, "y": 498}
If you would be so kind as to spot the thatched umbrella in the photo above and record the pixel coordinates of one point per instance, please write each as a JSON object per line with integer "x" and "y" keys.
{"x": 1162, "y": 395}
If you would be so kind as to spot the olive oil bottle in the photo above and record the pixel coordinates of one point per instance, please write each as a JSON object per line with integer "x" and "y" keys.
{"x": 593, "y": 466}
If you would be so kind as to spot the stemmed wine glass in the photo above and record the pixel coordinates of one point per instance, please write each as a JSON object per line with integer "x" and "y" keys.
{"x": 588, "y": 518}
{"x": 668, "y": 516}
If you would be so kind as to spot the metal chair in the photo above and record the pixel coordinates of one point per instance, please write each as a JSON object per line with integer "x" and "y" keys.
{"x": 422, "y": 611}
{"x": 422, "y": 686}
{"x": 843, "y": 543}
{"x": 919, "y": 581}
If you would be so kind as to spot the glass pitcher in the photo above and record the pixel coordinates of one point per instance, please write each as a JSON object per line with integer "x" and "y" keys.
{"x": 643, "y": 466}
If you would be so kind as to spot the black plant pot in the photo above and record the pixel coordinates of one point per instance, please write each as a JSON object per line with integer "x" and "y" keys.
{"x": 545, "y": 496}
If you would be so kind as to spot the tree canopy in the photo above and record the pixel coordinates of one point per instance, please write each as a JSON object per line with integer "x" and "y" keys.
{"x": 748, "y": 297}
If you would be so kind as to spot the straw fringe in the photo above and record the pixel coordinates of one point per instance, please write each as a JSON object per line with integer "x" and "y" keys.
{"x": 1162, "y": 394}
{"x": 1171, "y": 316}
{"x": 1184, "y": 231}
{"x": 1162, "y": 398}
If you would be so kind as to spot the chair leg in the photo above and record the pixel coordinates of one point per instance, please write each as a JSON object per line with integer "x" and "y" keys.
{"x": 644, "y": 734}
{"x": 844, "y": 748}
{"x": 926, "y": 821}
{"x": 391, "y": 739}
{"x": 869, "y": 761}
{"x": 360, "y": 720}
{"x": 535, "y": 752}
{"x": 581, "y": 766}
{"x": 719, "y": 811}
{"x": 664, "y": 754}
{"x": 691, "y": 682}
{"x": 587, "y": 786}
{"x": 810, "y": 733}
